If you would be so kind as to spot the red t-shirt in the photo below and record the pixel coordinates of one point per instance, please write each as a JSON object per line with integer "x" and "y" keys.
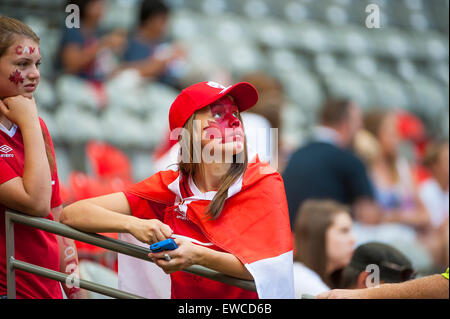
{"x": 185, "y": 285}
{"x": 31, "y": 245}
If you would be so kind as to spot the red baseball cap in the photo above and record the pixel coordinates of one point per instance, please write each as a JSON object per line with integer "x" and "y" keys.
{"x": 197, "y": 96}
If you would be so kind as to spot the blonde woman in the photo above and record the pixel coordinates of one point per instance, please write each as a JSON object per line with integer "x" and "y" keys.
{"x": 225, "y": 213}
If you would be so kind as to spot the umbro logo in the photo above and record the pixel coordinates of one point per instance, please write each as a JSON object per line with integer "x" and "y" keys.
{"x": 5, "y": 149}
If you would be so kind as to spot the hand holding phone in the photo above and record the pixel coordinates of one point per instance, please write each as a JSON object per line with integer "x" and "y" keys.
{"x": 168, "y": 244}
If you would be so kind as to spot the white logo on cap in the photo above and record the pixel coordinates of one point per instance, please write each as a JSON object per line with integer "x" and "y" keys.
{"x": 215, "y": 85}
{"x": 218, "y": 86}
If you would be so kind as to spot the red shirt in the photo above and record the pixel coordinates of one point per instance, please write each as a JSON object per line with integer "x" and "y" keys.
{"x": 185, "y": 285}
{"x": 31, "y": 245}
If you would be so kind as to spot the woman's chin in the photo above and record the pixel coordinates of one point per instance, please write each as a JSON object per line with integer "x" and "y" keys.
{"x": 28, "y": 95}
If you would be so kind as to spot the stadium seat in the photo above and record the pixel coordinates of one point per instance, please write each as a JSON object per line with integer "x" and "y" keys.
{"x": 158, "y": 97}
{"x": 304, "y": 88}
{"x": 45, "y": 95}
{"x": 63, "y": 163}
{"x": 406, "y": 69}
{"x": 364, "y": 65}
{"x": 186, "y": 24}
{"x": 75, "y": 91}
{"x": 270, "y": 32}
{"x": 284, "y": 60}
{"x": 439, "y": 71}
{"x": 142, "y": 165}
{"x": 350, "y": 40}
{"x": 120, "y": 14}
{"x": 393, "y": 44}
{"x": 213, "y": 7}
{"x": 244, "y": 58}
{"x": 123, "y": 129}
{"x": 336, "y": 15}
{"x": 124, "y": 91}
{"x": 256, "y": 9}
{"x": 296, "y": 11}
{"x": 312, "y": 37}
{"x": 51, "y": 124}
{"x": 229, "y": 28}
{"x": 428, "y": 92}
{"x": 389, "y": 91}
{"x": 77, "y": 125}
{"x": 345, "y": 84}
{"x": 437, "y": 46}
{"x": 203, "y": 54}
{"x": 325, "y": 63}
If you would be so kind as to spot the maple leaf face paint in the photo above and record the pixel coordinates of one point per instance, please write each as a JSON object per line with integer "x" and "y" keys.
{"x": 16, "y": 77}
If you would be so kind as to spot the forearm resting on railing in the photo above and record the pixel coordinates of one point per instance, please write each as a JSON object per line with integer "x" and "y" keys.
{"x": 92, "y": 218}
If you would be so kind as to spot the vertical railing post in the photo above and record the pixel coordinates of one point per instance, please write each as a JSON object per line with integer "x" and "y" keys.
{"x": 10, "y": 271}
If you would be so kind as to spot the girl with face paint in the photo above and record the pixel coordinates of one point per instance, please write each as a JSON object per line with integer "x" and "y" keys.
{"x": 28, "y": 176}
{"x": 224, "y": 212}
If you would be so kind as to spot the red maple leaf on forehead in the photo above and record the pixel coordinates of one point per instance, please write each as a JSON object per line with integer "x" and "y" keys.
{"x": 16, "y": 77}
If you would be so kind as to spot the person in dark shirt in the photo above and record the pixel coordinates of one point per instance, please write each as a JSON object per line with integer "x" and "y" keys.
{"x": 147, "y": 51}
{"x": 325, "y": 169}
{"x": 85, "y": 51}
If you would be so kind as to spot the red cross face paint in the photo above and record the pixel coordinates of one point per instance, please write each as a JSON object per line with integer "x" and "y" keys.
{"x": 16, "y": 77}
{"x": 226, "y": 124}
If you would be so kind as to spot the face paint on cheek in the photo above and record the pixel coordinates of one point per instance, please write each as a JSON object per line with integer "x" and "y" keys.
{"x": 214, "y": 130}
{"x": 223, "y": 130}
{"x": 16, "y": 77}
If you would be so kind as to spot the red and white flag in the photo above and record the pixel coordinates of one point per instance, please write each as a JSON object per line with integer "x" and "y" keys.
{"x": 253, "y": 226}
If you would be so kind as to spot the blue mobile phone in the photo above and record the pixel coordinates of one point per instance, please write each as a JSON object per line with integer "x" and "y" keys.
{"x": 168, "y": 244}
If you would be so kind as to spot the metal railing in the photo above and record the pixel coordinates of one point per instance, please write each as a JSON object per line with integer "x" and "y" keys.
{"x": 115, "y": 245}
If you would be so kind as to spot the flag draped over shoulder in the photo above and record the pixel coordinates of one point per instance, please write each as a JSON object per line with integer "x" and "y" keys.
{"x": 253, "y": 225}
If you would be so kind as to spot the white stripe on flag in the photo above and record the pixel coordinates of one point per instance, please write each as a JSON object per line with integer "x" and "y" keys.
{"x": 141, "y": 277}
{"x": 274, "y": 277}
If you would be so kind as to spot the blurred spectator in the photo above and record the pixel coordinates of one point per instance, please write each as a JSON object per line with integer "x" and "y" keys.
{"x": 324, "y": 244}
{"x": 84, "y": 51}
{"x": 434, "y": 193}
{"x": 403, "y": 221}
{"x": 266, "y": 114}
{"x": 146, "y": 50}
{"x": 324, "y": 168}
{"x": 394, "y": 184}
{"x": 393, "y": 266}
